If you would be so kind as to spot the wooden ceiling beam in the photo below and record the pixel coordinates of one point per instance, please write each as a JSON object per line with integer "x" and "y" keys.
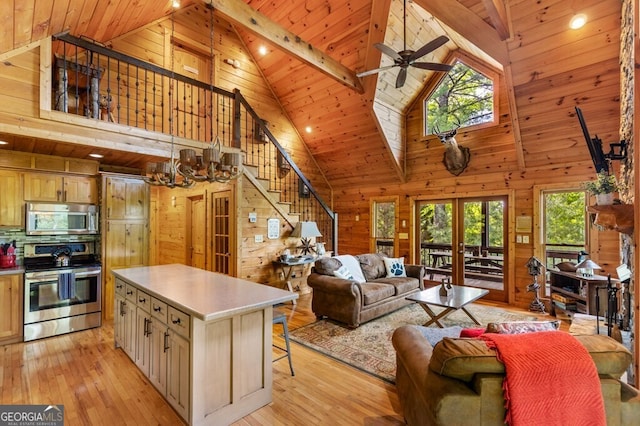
{"x": 469, "y": 25}
{"x": 242, "y": 14}
{"x": 498, "y": 16}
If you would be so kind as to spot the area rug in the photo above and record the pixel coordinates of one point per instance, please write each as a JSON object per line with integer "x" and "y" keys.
{"x": 369, "y": 346}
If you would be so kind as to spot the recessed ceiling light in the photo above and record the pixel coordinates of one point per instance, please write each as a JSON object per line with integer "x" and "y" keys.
{"x": 308, "y": 129}
{"x": 96, "y": 155}
{"x": 4, "y": 143}
{"x": 578, "y": 21}
{"x": 175, "y": 4}
{"x": 262, "y": 50}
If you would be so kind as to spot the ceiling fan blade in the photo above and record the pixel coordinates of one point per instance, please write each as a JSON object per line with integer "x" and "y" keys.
{"x": 432, "y": 45}
{"x": 388, "y": 51}
{"x": 375, "y": 71}
{"x": 402, "y": 76}
{"x": 432, "y": 66}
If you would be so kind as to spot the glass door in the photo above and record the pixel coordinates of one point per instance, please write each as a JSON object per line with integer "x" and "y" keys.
{"x": 464, "y": 239}
{"x": 481, "y": 254}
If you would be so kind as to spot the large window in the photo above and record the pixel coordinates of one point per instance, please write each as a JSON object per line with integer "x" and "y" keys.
{"x": 564, "y": 220}
{"x": 383, "y": 214}
{"x": 464, "y": 97}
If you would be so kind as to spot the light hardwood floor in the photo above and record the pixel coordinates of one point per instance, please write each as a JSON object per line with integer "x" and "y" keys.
{"x": 98, "y": 384}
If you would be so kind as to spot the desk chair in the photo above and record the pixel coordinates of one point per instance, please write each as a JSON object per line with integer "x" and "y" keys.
{"x": 280, "y": 318}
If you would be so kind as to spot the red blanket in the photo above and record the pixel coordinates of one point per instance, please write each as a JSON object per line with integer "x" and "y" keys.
{"x": 550, "y": 380}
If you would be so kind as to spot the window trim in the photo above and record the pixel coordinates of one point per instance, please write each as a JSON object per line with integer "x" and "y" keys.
{"x": 478, "y": 66}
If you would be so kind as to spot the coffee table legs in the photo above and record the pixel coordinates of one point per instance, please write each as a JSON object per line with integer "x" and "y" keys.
{"x": 435, "y": 318}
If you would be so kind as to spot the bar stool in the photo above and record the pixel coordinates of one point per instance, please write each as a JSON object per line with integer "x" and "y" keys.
{"x": 279, "y": 317}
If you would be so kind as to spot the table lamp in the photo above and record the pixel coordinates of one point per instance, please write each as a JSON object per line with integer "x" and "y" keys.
{"x": 586, "y": 267}
{"x": 305, "y": 231}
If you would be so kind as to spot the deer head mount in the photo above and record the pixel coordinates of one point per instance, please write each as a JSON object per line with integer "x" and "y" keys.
{"x": 456, "y": 157}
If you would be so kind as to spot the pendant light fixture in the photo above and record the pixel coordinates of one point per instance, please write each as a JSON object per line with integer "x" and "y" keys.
{"x": 216, "y": 164}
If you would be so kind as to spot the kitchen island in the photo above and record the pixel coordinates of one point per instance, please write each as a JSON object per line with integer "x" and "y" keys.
{"x": 203, "y": 339}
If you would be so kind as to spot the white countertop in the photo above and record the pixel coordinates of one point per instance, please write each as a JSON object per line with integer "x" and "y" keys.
{"x": 203, "y": 294}
{"x": 11, "y": 271}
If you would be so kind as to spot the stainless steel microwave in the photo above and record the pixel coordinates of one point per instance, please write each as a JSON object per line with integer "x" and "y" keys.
{"x": 61, "y": 219}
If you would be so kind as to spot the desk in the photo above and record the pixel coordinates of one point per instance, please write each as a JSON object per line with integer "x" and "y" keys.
{"x": 462, "y": 296}
{"x": 287, "y": 269}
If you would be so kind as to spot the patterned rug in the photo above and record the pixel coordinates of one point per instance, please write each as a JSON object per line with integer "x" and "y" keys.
{"x": 369, "y": 346}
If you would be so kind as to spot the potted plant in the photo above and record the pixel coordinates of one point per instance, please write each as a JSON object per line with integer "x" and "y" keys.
{"x": 603, "y": 188}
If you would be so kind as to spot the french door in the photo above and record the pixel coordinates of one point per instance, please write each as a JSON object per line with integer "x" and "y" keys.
{"x": 464, "y": 239}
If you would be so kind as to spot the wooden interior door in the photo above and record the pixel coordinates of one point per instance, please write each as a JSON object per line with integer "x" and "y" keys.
{"x": 197, "y": 219}
{"x": 223, "y": 239}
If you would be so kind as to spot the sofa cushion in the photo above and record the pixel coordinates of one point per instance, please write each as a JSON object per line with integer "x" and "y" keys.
{"x": 463, "y": 358}
{"x": 352, "y": 263}
{"x": 375, "y": 292}
{"x": 400, "y": 284}
{"x": 394, "y": 267}
{"x": 517, "y": 327}
{"x": 372, "y": 265}
{"x": 327, "y": 265}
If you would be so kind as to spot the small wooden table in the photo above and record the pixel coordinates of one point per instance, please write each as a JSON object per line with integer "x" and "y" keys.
{"x": 286, "y": 268}
{"x": 461, "y": 297}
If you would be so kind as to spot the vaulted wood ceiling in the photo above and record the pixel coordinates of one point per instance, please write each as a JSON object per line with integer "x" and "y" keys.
{"x": 549, "y": 68}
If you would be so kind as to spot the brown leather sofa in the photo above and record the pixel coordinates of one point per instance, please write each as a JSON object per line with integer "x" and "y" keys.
{"x": 354, "y": 303}
{"x": 463, "y": 382}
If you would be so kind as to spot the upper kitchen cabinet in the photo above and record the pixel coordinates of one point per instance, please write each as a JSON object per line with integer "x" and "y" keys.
{"x": 126, "y": 198}
{"x": 59, "y": 188}
{"x": 11, "y": 200}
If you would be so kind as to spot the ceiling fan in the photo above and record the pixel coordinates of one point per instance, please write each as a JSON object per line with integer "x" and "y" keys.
{"x": 406, "y": 58}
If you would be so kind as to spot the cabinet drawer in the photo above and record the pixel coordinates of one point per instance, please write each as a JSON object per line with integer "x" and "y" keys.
{"x": 179, "y": 321}
{"x": 159, "y": 309}
{"x": 120, "y": 287}
{"x": 131, "y": 293}
{"x": 143, "y": 300}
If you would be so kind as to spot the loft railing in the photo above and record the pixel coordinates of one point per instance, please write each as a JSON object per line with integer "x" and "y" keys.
{"x": 98, "y": 83}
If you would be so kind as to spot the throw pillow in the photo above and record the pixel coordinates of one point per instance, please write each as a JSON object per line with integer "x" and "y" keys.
{"x": 343, "y": 272}
{"x": 517, "y": 327}
{"x": 395, "y": 267}
{"x": 354, "y": 267}
{"x": 471, "y": 332}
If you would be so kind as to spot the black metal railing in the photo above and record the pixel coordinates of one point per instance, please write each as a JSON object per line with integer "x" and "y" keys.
{"x": 97, "y": 83}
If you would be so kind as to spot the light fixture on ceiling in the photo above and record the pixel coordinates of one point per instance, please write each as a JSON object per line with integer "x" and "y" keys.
{"x": 305, "y": 231}
{"x": 262, "y": 50}
{"x": 166, "y": 173}
{"x": 4, "y": 143}
{"x": 216, "y": 164}
{"x": 175, "y": 4}
{"x": 578, "y": 21}
{"x": 95, "y": 155}
{"x": 308, "y": 129}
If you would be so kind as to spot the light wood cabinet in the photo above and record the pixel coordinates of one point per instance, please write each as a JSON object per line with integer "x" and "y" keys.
{"x": 53, "y": 187}
{"x": 125, "y": 207}
{"x": 11, "y": 199}
{"x": 10, "y": 308}
{"x": 126, "y": 198}
{"x": 178, "y": 362}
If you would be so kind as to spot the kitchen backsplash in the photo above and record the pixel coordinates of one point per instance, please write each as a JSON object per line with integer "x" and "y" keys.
{"x": 7, "y": 236}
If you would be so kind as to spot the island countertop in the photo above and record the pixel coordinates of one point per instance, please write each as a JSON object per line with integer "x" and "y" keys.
{"x": 203, "y": 294}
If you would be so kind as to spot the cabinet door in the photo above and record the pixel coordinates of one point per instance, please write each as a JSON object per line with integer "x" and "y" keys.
{"x": 136, "y": 244}
{"x": 143, "y": 341}
{"x": 79, "y": 189}
{"x": 129, "y": 329}
{"x": 11, "y": 199}
{"x": 118, "y": 321}
{"x": 158, "y": 355}
{"x": 10, "y": 306}
{"x": 42, "y": 187}
{"x": 126, "y": 198}
{"x": 178, "y": 373}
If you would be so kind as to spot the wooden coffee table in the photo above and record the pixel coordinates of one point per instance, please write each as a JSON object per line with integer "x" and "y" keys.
{"x": 461, "y": 297}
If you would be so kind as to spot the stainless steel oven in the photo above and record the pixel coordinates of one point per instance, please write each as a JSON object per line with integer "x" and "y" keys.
{"x": 59, "y": 299}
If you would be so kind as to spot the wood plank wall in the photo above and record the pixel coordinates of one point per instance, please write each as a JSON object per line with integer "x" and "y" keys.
{"x": 493, "y": 170}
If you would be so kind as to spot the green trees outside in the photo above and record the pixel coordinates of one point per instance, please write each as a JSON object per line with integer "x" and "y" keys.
{"x": 463, "y": 98}
{"x": 565, "y": 218}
